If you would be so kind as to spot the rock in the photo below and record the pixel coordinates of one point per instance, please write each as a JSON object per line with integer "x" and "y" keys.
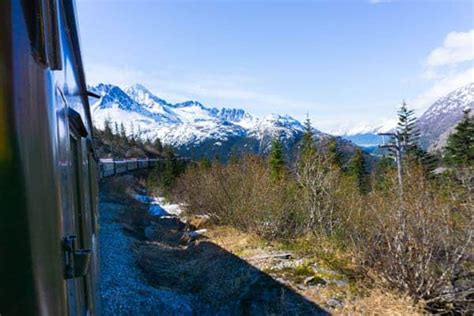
{"x": 314, "y": 281}
{"x": 279, "y": 255}
{"x": 149, "y": 232}
{"x": 195, "y": 234}
{"x": 334, "y": 303}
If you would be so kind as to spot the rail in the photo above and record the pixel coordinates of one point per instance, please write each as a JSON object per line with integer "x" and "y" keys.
{"x": 111, "y": 167}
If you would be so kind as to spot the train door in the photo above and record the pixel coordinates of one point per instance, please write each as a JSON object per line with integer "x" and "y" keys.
{"x": 81, "y": 217}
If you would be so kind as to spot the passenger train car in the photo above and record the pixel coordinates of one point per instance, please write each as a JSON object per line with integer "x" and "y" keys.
{"x": 48, "y": 168}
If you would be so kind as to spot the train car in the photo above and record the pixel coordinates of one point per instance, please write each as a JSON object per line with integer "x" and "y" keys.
{"x": 48, "y": 167}
{"x": 120, "y": 167}
{"x": 143, "y": 163}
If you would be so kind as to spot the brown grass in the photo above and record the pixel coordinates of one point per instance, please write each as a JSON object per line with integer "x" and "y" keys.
{"x": 381, "y": 302}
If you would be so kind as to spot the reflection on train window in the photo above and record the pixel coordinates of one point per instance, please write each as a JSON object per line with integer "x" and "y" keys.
{"x": 79, "y": 217}
{"x": 76, "y": 172}
{"x": 53, "y": 47}
{"x": 33, "y": 12}
{"x": 92, "y": 190}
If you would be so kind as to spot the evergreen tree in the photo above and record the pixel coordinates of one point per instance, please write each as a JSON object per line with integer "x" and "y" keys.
{"x": 406, "y": 130}
{"x": 123, "y": 135}
{"x": 108, "y": 135}
{"x": 382, "y": 168}
{"x": 357, "y": 170}
{"x": 460, "y": 145}
{"x": 333, "y": 153}
{"x": 158, "y": 145}
{"x": 276, "y": 160}
{"x": 132, "y": 135}
{"x": 308, "y": 149}
{"x": 205, "y": 163}
{"x": 116, "y": 129}
{"x": 409, "y": 137}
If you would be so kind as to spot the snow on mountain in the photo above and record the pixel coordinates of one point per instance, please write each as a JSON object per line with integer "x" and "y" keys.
{"x": 435, "y": 124}
{"x": 144, "y": 114}
{"x": 366, "y": 135}
{"x": 441, "y": 118}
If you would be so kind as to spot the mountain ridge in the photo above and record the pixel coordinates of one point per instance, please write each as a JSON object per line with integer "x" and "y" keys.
{"x": 435, "y": 124}
{"x": 190, "y": 123}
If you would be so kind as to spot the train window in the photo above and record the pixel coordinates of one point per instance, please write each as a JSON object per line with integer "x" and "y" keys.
{"x": 76, "y": 181}
{"x": 43, "y": 31}
{"x": 53, "y": 47}
{"x": 92, "y": 190}
{"x": 79, "y": 218}
{"x": 33, "y": 12}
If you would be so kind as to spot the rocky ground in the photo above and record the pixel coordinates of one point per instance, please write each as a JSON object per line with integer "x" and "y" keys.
{"x": 124, "y": 289}
{"x": 158, "y": 266}
{"x": 160, "y": 263}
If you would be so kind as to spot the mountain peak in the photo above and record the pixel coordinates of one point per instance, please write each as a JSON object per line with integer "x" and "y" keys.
{"x": 189, "y": 103}
{"x": 138, "y": 87}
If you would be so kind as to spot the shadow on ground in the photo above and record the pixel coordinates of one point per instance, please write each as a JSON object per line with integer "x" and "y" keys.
{"x": 222, "y": 283}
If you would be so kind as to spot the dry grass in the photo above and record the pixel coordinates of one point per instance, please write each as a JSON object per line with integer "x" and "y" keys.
{"x": 235, "y": 241}
{"x": 357, "y": 297}
{"x": 380, "y": 302}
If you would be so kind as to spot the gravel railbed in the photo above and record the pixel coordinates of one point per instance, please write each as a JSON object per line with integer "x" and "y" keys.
{"x": 123, "y": 289}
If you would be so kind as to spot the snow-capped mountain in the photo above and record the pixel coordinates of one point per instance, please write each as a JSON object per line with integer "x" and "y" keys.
{"x": 442, "y": 117}
{"x": 435, "y": 124}
{"x": 188, "y": 124}
{"x": 366, "y": 135}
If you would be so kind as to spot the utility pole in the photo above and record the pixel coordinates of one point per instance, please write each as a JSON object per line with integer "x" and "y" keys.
{"x": 398, "y": 149}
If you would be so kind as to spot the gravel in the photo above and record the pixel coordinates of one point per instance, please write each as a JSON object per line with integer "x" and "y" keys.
{"x": 123, "y": 289}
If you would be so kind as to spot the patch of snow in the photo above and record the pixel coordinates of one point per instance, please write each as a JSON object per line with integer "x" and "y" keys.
{"x": 158, "y": 206}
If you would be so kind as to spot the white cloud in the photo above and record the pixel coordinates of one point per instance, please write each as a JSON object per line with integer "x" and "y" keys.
{"x": 441, "y": 87}
{"x": 457, "y": 47}
{"x": 447, "y": 68}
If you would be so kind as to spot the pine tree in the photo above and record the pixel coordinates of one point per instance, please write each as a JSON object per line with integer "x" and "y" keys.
{"x": 409, "y": 136}
{"x": 132, "y": 135}
{"x": 123, "y": 135}
{"x": 333, "y": 153}
{"x": 406, "y": 130}
{"x": 357, "y": 170}
{"x": 108, "y": 135}
{"x": 308, "y": 149}
{"x": 382, "y": 168}
{"x": 116, "y": 129}
{"x": 205, "y": 163}
{"x": 158, "y": 145}
{"x": 460, "y": 145}
{"x": 170, "y": 168}
{"x": 276, "y": 160}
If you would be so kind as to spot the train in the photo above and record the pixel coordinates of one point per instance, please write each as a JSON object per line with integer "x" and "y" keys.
{"x": 110, "y": 167}
{"x": 49, "y": 170}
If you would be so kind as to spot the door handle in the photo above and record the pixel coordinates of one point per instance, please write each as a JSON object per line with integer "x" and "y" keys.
{"x": 76, "y": 261}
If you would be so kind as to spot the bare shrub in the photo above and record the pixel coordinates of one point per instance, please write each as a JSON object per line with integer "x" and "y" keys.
{"x": 327, "y": 196}
{"x": 421, "y": 242}
{"x": 242, "y": 195}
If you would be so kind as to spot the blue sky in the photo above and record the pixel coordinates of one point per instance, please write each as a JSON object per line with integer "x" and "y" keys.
{"x": 347, "y": 63}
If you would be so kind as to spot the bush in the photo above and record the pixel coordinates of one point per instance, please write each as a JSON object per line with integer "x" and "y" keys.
{"x": 243, "y": 195}
{"x": 420, "y": 243}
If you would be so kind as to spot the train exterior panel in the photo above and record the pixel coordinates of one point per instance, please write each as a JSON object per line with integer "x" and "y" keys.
{"x": 48, "y": 168}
